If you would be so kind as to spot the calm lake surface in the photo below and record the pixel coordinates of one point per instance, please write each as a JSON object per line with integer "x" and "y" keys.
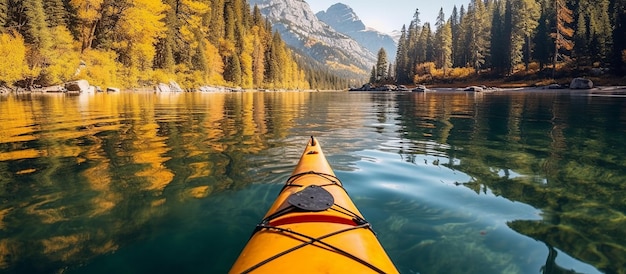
{"x": 452, "y": 182}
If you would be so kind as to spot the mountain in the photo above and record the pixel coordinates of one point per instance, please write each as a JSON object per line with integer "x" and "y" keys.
{"x": 302, "y": 30}
{"x": 343, "y": 19}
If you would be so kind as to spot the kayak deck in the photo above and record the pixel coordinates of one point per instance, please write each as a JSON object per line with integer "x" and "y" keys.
{"x": 313, "y": 227}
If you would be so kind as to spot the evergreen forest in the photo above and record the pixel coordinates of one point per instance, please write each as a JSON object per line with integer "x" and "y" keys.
{"x": 511, "y": 38}
{"x": 138, "y": 43}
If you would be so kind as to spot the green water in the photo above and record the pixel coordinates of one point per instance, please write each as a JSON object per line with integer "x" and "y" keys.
{"x": 507, "y": 182}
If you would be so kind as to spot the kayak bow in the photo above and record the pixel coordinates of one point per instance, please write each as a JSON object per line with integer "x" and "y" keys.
{"x": 313, "y": 227}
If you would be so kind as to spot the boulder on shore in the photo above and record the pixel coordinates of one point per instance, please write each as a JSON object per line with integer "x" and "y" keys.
{"x": 475, "y": 88}
{"x": 172, "y": 87}
{"x": 581, "y": 83}
{"x": 77, "y": 86}
{"x": 175, "y": 87}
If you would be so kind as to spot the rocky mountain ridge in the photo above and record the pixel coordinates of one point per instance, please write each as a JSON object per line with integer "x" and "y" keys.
{"x": 342, "y": 18}
{"x": 301, "y": 28}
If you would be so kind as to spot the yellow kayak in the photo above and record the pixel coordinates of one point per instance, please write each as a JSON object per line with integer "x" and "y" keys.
{"x": 313, "y": 227}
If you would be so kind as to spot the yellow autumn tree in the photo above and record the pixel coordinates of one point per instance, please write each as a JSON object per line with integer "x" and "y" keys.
{"x": 12, "y": 58}
{"x": 64, "y": 58}
{"x": 88, "y": 13}
{"x": 193, "y": 28}
{"x": 140, "y": 26}
{"x": 246, "y": 61}
{"x": 101, "y": 67}
{"x": 214, "y": 63}
{"x": 258, "y": 56}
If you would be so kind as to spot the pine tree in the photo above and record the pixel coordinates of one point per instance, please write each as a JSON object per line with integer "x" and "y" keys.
{"x": 455, "y": 28}
{"x": 443, "y": 42}
{"x": 531, "y": 12}
{"x": 462, "y": 55}
{"x": 402, "y": 58}
{"x": 477, "y": 34}
{"x": 4, "y": 14}
{"x": 413, "y": 45}
{"x": 563, "y": 33}
{"x": 619, "y": 39}
{"x": 217, "y": 26}
{"x": 500, "y": 38}
{"x": 56, "y": 13}
{"x": 381, "y": 65}
{"x": 421, "y": 49}
{"x": 594, "y": 31}
{"x": 233, "y": 72}
{"x": 543, "y": 41}
{"x": 524, "y": 21}
{"x": 373, "y": 75}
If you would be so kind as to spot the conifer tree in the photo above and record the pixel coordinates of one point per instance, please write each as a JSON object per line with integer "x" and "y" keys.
{"x": 618, "y": 59}
{"x": 563, "y": 33}
{"x": 55, "y": 12}
{"x": 414, "y": 48}
{"x": 455, "y": 28}
{"x": 381, "y": 65}
{"x": 501, "y": 38}
{"x": 477, "y": 34}
{"x": 524, "y": 16}
{"x": 402, "y": 58}
{"x": 421, "y": 49}
{"x": 594, "y": 31}
{"x": 462, "y": 55}
{"x": 429, "y": 42}
{"x": 4, "y": 14}
{"x": 233, "y": 73}
{"x": 529, "y": 20}
{"x": 543, "y": 41}
{"x": 373, "y": 75}
{"x": 217, "y": 26}
{"x": 443, "y": 44}
{"x": 35, "y": 28}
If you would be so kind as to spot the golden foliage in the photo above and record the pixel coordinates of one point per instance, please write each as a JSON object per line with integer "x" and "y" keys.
{"x": 121, "y": 44}
{"x": 12, "y": 58}
{"x": 428, "y": 72}
{"x": 457, "y": 73}
{"x": 100, "y": 68}
{"x": 141, "y": 25}
{"x": 215, "y": 64}
{"x": 63, "y": 57}
{"x": 163, "y": 76}
{"x": 246, "y": 62}
{"x": 88, "y": 13}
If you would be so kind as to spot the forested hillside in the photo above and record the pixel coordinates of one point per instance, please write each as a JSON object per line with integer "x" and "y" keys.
{"x": 503, "y": 37}
{"x": 135, "y": 43}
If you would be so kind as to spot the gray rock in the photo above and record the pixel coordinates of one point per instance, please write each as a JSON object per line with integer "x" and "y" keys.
{"x": 77, "y": 86}
{"x": 475, "y": 89}
{"x": 581, "y": 83}
{"x": 161, "y": 87}
{"x": 175, "y": 87}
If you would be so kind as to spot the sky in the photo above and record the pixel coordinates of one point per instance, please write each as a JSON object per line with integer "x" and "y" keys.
{"x": 389, "y": 15}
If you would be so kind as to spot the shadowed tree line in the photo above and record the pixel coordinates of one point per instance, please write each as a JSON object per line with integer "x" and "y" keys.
{"x": 504, "y": 37}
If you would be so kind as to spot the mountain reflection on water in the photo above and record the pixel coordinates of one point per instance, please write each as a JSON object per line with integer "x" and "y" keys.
{"x": 452, "y": 182}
